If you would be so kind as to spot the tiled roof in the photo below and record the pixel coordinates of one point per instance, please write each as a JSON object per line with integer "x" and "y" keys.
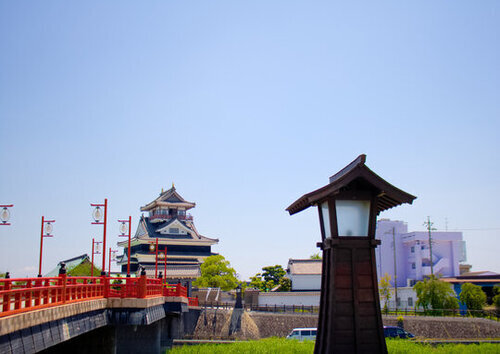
{"x": 70, "y": 264}
{"x": 304, "y": 266}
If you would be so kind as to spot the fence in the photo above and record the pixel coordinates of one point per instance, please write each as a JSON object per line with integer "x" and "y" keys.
{"x": 295, "y": 309}
{"x": 489, "y": 314}
{"x": 27, "y": 294}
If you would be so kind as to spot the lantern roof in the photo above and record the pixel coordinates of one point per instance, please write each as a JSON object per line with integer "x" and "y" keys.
{"x": 355, "y": 173}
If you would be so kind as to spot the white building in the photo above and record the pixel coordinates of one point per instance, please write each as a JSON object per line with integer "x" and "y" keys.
{"x": 305, "y": 274}
{"x": 407, "y": 254}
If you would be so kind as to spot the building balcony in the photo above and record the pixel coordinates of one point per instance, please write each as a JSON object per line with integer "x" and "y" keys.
{"x": 188, "y": 217}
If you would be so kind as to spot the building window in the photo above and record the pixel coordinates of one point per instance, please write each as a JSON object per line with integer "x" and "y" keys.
{"x": 413, "y": 266}
{"x": 422, "y": 247}
{"x": 412, "y": 249}
{"x": 398, "y": 302}
{"x": 173, "y": 230}
{"x": 410, "y": 301}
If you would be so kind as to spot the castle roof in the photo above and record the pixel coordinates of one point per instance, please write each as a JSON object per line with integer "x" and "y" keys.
{"x": 169, "y": 198}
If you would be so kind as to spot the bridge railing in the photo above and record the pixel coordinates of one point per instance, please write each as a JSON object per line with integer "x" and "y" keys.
{"x": 27, "y": 294}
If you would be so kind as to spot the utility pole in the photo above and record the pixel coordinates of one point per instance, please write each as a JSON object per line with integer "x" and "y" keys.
{"x": 395, "y": 267}
{"x": 429, "y": 224}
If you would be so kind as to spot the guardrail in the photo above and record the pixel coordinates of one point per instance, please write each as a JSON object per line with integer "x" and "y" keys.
{"x": 27, "y": 294}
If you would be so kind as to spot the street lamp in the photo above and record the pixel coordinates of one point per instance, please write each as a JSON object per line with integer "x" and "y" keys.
{"x": 123, "y": 230}
{"x": 5, "y": 214}
{"x": 112, "y": 257}
{"x": 153, "y": 248}
{"x": 46, "y": 231}
{"x": 95, "y": 250}
{"x": 98, "y": 214}
{"x": 350, "y": 319}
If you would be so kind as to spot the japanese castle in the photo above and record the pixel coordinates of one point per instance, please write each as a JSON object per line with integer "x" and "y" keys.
{"x": 167, "y": 220}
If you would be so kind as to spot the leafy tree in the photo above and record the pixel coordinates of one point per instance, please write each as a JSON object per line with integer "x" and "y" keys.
{"x": 273, "y": 273}
{"x": 496, "y": 298}
{"x": 385, "y": 289}
{"x": 472, "y": 296}
{"x": 436, "y": 294}
{"x": 216, "y": 272}
{"x": 285, "y": 284}
{"x": 271, "y": 277}
{"x": 315, "y": 256}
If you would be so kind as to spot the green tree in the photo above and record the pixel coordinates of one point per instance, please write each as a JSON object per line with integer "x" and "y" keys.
{"x": 385, "y": 289}
{"x": 496, "y": 298}
{"x": 436, "y": 294}
{"x": 285, "y": 284}
{"x": 216, "y": 272}
{"x": 472, "y": 296}
{"x": 271, "y": 277}
{"x": 273, "y": 273}
{"x": 315, "y": 256}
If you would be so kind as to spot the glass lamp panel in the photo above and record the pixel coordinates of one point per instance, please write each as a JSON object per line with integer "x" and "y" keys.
{"x": 353, "y": 217}
{"x": 97, "y": 214}
{"x": 326, "y": 219}
{"x": 97, "y": 247}
{"x": 5, "y": 215}
{"x": 123, "y": 228}
{"x": 48, "y": 228}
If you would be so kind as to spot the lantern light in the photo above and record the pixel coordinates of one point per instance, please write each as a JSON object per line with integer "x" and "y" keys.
{"x": 5, "y": 215}
{"x": 97, "y": 214}
{"x": 48, "y": 228}
{"x": 161, "y": 255}
{"x": 123, "y": 228}
{"x": 151, "y": 247}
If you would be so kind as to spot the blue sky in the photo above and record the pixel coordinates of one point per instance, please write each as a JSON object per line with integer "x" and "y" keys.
{"x": 245, "y": 106}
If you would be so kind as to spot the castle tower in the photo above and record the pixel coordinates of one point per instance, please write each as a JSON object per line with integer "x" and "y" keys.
{"x": 167, "y": 219}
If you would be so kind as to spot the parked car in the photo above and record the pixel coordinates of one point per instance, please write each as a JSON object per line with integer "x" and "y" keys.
{"x": 396, "y": 332}
{"x": 302, "y": 334}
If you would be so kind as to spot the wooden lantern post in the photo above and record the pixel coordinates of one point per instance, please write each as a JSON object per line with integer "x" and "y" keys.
{"x": 350, "y": 319}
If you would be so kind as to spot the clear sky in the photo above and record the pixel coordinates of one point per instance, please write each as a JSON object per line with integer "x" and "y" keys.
{"x": 245, "y": 106}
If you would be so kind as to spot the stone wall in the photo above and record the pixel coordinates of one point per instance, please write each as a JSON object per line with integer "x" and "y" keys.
{"x": 280, "y": 325}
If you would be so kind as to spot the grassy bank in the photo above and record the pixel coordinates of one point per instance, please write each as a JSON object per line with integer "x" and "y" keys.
{"x": 281, "y": 345}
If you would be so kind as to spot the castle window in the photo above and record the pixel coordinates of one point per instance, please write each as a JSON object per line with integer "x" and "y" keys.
{"x": 413, "y": 266}
{"x": 173, "y": 230}
{"x": 412, "y": 249}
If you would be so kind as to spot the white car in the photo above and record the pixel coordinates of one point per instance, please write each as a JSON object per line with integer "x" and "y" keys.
{"x": 302, "y": 334}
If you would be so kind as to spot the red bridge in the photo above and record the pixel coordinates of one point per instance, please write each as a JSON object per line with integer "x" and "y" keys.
{"x": 38, "y": 313}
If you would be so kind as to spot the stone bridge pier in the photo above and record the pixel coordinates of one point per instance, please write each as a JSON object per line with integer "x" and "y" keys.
{"x": 100, "y": 326}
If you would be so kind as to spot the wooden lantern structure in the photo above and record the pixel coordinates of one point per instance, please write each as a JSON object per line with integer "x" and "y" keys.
{"x": 350, "y": 319}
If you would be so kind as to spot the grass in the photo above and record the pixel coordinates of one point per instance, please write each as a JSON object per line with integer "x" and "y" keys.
{"x": 282, "y": 345}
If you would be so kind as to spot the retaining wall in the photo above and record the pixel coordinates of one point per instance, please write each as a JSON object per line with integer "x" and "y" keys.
{"x": 280, "y": 325}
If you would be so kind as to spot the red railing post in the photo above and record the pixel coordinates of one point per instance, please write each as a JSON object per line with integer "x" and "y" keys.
{"x": 142, "y": 286}
{"x": 6, "y": 297}
{"x": 28, "y": 296}
{"x": 105, "y": 283}
{"x": 62, "y": 283}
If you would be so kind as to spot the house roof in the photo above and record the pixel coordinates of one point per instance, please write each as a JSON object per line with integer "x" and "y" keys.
{"x": 70, "y": 264}
{"x": 355, "y": 174}
{"x": 304, "y": 266}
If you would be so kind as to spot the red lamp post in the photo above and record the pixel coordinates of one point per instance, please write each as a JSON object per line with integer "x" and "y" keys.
{"x": 112, "y": 254}
{"x": 123, "y": 229}
{"x": 47, "y": 227}
{"x": 97, "y": 215}
{"x": 153, "y": 248}
{"x": 5, "y": 214}
{"x": 164, "y": 257}
{"x": 94, "y": 252}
